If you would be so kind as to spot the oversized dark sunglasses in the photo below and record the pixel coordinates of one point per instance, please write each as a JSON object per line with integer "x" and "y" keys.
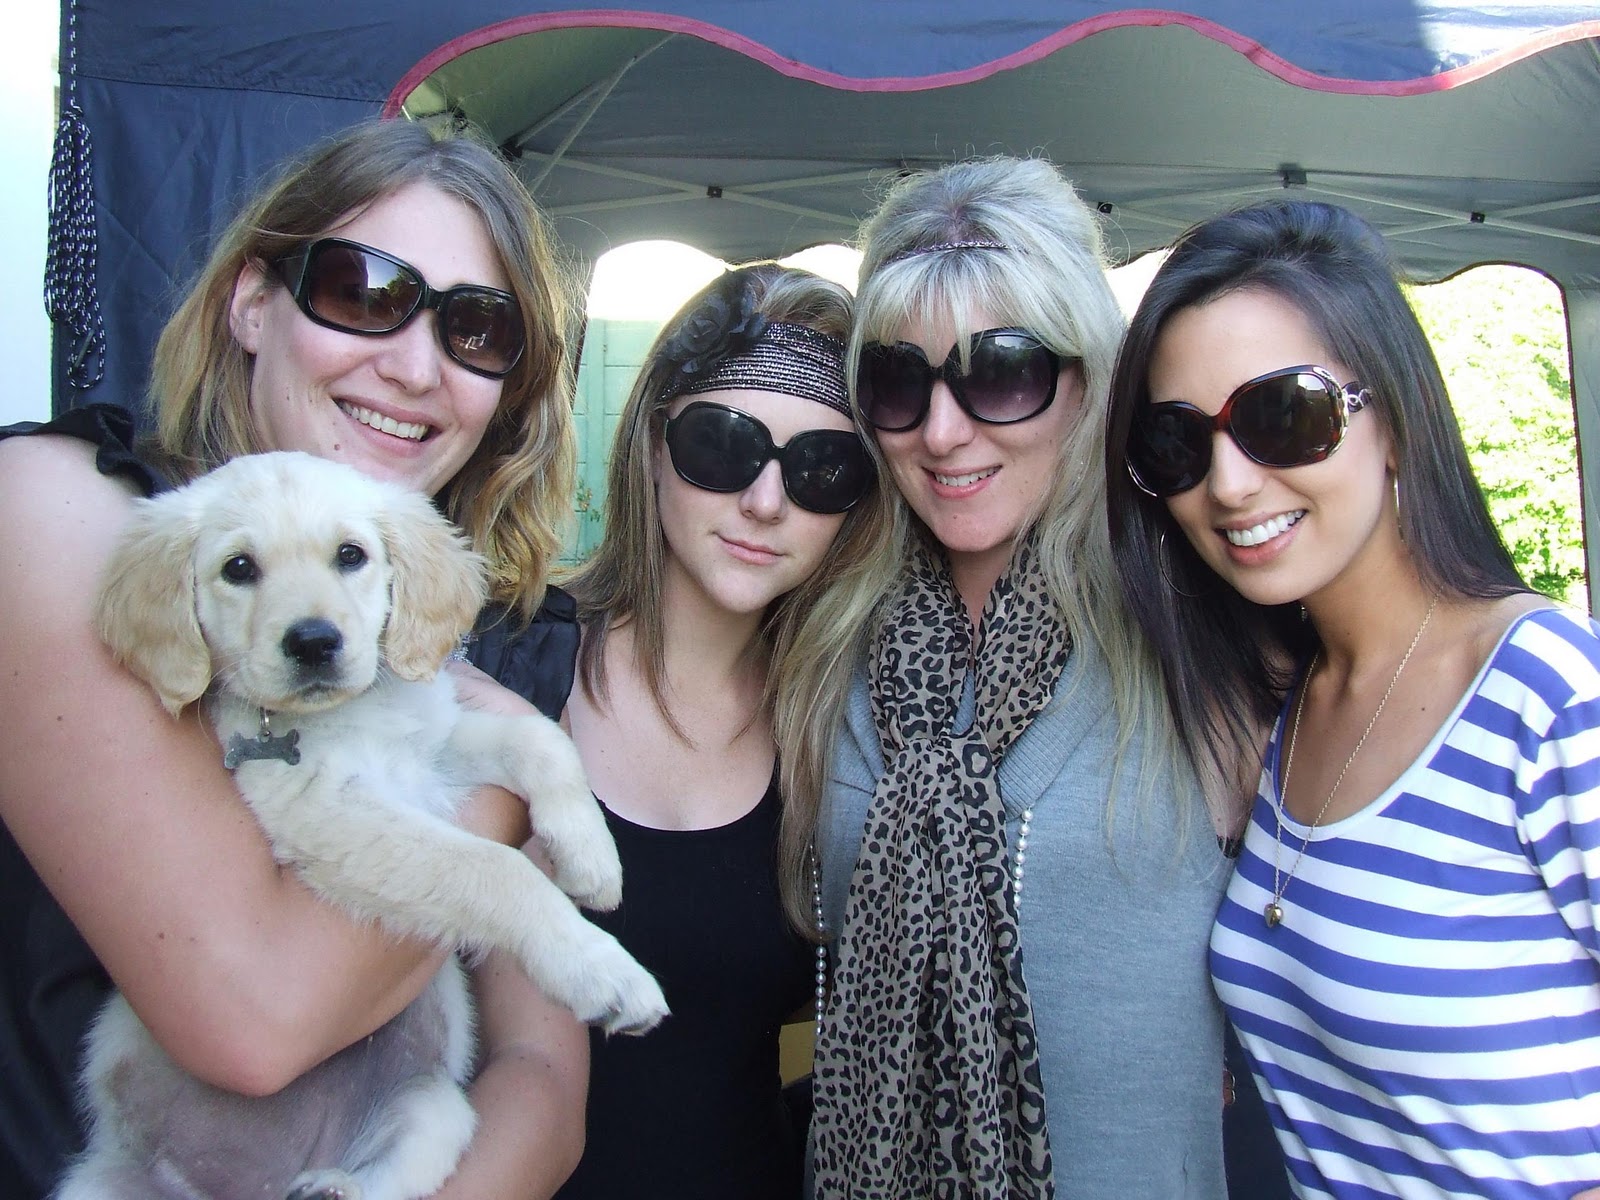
{"x": 722, "y": 449}
{"x": 1288, "y": 418}
{"x": 1012, "y": 377}
{"x": 356, "y": 289}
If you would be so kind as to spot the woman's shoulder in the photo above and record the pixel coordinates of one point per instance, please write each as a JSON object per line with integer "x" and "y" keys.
{"x": 1549, "y": 651}
{"x": 53, "y": 479}
{"x": 60, "y": 519}
{"x": 103, "y": 436}
{"x": 536, "y": 659}
{"x": 1540, "y": 624}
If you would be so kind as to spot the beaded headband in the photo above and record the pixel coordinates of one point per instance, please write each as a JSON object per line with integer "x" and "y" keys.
{"x": 941, "y": 247}
{"x": 794, "y": 360}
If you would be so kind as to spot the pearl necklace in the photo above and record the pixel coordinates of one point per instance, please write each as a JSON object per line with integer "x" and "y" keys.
{"x": 822, "y": 948}
{"x": 1024, "y": 825}
{"x": 1018, "y": 860}
{"x": 1273, "y": 912}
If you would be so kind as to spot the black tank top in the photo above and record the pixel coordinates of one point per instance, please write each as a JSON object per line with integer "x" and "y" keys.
{"x": 694, "y": 1109}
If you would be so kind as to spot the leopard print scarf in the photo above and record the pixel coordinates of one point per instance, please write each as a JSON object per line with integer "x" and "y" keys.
{"x": 927, "y": 1077}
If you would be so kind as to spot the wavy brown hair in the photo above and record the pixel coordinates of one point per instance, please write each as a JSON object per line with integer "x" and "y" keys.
{"x": 514, "y": 495}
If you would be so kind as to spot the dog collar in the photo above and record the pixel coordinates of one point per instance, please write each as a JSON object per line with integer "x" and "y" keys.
{"x": 264, "y": 746}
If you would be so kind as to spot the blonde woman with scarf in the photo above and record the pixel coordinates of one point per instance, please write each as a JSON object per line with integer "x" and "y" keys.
{"x": 973, "y": 711}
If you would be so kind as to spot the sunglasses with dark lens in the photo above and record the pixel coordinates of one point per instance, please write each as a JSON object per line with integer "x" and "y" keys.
{"x": 353, "y": 288}
{"x": 722, "y": 449}
{"x": 1012, "y": 376}
{"x": 1288, "y": 418}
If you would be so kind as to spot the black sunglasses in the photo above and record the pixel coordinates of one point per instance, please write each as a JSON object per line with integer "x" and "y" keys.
{"x": 353, "y": 288}
{"x": 1012, "y": 377}
{"x": 722, "y": 449}
{"x": 1288, "y": 418}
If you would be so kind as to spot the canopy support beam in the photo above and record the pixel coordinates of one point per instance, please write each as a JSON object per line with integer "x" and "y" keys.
{"x": 1583, "y": 346}
{"x": 601, "y": 92}
{"x": 673, "y": 190}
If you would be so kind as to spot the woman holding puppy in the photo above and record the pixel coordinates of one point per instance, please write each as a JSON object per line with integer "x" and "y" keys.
{"x": 391, "y": 302}
{"x": 738, "y": 486}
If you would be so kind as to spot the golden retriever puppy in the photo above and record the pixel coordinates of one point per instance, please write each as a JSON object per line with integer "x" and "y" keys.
{"x": 311, "y": 608}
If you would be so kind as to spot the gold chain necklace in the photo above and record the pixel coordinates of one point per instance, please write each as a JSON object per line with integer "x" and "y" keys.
{"x": 1273, "y": 912}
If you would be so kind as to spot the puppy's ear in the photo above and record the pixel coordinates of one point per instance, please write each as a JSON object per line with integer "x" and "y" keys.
{"x": 145, "y": 609}
{"x": 439, "y": 586}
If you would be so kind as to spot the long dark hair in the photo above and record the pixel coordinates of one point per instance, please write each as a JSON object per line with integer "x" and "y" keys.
{"x": 1228, "y": 661}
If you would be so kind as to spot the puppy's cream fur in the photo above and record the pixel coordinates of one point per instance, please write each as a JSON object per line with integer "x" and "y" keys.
{"x": 286, "y": 584}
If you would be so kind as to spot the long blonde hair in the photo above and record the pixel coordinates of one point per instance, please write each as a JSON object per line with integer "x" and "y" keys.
{"x": 514, "y": 495}
{"x": 1038, "y": 265}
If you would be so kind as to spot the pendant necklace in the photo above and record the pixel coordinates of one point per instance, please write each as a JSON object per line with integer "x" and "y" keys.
{"x": 1273, "y": 912}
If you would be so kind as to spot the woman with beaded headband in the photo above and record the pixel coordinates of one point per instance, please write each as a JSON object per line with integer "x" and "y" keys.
{"x": 975, "y": 709}
{"x": 1409, "y": 947}
{"x": 125, "y": 853}
{"x": 737, "y": 485}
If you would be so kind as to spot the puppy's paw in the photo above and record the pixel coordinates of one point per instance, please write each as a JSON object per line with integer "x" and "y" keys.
{"x": 604, "y": 985}
{"x": 571, "y": 827}
{"x": 632, "y": 1001}
{"x": 590, "y": 872}
{"x": 330, "y": 1184}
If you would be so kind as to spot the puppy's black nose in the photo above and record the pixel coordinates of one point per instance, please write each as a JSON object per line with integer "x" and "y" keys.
{"x": 313, "y": 642}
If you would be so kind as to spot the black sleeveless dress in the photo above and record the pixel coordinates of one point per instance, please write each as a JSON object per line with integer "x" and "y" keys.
{"x": 694, "y": 1109}
{"x": 51, "y": 985}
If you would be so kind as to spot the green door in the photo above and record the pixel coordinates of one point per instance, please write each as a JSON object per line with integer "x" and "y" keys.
{"x": 613, "y": 352}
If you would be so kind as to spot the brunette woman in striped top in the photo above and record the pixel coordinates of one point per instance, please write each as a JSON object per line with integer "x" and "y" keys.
{"x": 1410, "y": 946}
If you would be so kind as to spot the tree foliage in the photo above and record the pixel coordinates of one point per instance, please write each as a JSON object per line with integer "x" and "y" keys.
{"x": 1501, "y": 338}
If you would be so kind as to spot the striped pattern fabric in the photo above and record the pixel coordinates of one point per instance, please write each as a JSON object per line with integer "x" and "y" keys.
{"x": 1425, "y": 1022}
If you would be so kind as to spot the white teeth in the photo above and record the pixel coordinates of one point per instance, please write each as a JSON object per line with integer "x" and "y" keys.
{"x": 412, "y": 433}
{"x": 1263, "y": 532}
{"x": 963, "y": 480}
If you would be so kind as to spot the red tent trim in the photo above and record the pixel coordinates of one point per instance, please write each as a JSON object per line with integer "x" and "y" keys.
{"x": 1258, "y": 54}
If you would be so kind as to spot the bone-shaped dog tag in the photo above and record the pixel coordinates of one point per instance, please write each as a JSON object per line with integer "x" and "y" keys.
{"x": 241, "y": 749}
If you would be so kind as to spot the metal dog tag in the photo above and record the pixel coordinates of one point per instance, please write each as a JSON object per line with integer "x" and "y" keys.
{"x": 242, "y": 749}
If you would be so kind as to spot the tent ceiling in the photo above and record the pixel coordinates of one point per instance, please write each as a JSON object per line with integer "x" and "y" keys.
{"x": 751, "y": 128}
{"x": 631, "y": 133}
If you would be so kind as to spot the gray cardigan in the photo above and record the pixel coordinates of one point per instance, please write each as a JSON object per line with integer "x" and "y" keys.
{"x": 1114, "y": 937}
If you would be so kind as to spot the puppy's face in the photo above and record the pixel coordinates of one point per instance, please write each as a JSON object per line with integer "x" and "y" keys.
{"x": 292, "y": 585}
{"x": 292, "y": 605}
{"x": 286, "y": 580}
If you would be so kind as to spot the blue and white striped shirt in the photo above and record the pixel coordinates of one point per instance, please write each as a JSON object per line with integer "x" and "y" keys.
{"x": 1425, "y": 1022}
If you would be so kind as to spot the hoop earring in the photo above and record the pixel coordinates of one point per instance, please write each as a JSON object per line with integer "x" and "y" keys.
{"x": 1399, "y": 519}
{"x": 1162, "y": 556}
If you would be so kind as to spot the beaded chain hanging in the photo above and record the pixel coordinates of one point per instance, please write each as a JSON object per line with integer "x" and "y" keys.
{"x": 71, "y": 296}
{"x": 822, "y": 948}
